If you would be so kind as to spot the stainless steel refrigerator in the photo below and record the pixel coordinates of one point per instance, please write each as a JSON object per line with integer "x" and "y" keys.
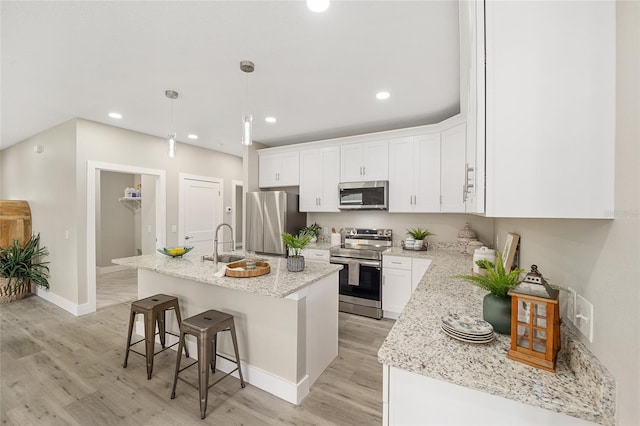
{"x": 269, "y": 214}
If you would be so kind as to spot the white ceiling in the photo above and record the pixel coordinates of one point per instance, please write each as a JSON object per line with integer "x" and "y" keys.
{"x": 316, "y": 73}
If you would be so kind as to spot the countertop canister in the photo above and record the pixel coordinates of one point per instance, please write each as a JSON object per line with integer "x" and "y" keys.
{"x": 480, "y": 254}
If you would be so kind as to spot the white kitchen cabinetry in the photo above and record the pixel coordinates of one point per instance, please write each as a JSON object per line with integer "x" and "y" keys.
{"x": 414, "y": 399}
{"x": 366, "y": 161}
{"x": 418, "y": 269}
{"x": 316, "y": 254}
{"x": 414, "y": 174}
{"x": 396, "y": 285}
{"x": 319, "y": 178}
{"x": 281, "y": 169}
{"x": 453, "y": 170}
{"x": 550, "y": 105}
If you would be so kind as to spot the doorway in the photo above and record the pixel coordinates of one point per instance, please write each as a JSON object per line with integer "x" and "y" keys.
{"x": 200, "y": 210}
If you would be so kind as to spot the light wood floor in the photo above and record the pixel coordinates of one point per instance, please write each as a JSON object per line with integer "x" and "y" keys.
{"x": 116, "y": 287}
{"x": 58, "y": 369}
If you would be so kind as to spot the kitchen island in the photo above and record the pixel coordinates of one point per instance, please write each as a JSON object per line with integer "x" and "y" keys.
{"x": 286, "y": 322}
{"x": 430, "y": 378}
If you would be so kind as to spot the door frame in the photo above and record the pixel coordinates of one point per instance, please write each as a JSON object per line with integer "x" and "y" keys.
{"x": 161, "y": 211}
{"x": 234, "y": 203}
{"x": 181, "y": 211}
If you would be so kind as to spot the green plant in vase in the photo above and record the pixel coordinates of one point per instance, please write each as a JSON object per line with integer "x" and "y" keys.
{"x": 419, "y": 235}
{"x": 313, "y": 229}
{"x": 20, "y": 267}
{"x": 496, "y": 305}
{"x": 295, "y": 244}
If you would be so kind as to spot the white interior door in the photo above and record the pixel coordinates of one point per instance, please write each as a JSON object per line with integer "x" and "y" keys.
{"x": 201, "y": 211}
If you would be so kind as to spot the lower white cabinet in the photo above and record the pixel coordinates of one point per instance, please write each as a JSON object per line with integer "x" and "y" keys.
{"x": 413, "y": 399}
{"x": 400, "y": 277}
{"x": 316, "y": 254}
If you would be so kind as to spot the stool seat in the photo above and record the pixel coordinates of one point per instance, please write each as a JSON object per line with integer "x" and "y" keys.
{"x": 205, "y": 327}
{"x": 153, "y": 308}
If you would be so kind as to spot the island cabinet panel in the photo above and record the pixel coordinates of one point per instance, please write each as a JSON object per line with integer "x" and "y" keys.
{"x": 549, "y": 92}
{"x": 413, "y": 399}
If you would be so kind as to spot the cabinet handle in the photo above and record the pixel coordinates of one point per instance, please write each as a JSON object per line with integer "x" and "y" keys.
{"x": 319, "y": 201}
{"x": 415, "y": 200}
{"x": 364, "y": 170}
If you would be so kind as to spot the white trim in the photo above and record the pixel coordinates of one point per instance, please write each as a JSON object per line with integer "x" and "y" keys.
{"x": 161, "y": 223}
{"x": 181, "y": 213}
{"x": 100, "y": 270}
{"x": 234, "y": 202}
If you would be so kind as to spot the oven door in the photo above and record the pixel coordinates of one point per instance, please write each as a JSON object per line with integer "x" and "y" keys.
{"x": 366, "y": 297}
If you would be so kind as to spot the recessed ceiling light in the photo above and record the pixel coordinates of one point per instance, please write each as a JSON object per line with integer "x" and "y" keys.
{"x": 192, "y": 136}
{"x": 270, "y": 119}
{"x": 115, "y": 115}
{"x": 383, "y": 95}
{"x": 318, "y": 5}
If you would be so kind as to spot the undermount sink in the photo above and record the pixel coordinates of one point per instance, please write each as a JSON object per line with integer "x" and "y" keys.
{"x": 224, "y": 258}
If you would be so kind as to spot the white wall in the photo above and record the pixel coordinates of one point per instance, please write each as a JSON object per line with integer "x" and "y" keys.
{"x": 117, "y": 219}
{"x": 47, "y": 182}
{"x": 600, "y": 259}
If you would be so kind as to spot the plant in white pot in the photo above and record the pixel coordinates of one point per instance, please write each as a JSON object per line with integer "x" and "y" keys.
{"x": 496, "y": 305}
{"x": 295, "y": 244}
{"x": 20, "y": 267}
{"x": 314, "y": 230}
{"x": 419, "y": 235}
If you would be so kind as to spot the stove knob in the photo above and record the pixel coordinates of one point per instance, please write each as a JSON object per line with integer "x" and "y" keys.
{"x": 387, "y": 232}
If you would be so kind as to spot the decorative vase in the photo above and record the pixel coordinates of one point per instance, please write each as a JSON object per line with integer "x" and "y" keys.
{"x": 417, "y": 244}
{"x": 496, "y": 311}
{"x": 314, "y": 239}
{"x": 295, "y": 263}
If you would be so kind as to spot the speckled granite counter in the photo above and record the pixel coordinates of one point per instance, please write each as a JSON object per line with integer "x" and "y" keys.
{"x": 278, "y": 283}
{"x": 581, "y": 386}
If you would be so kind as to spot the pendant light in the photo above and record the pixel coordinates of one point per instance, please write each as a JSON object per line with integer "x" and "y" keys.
{"x": 247, "y": 67}
{"x": 171, "y": 139}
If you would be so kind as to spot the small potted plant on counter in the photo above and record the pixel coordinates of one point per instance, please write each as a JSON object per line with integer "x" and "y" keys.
{"x": 20, "y": 267}
{"x": 314, "y": 230}
{"x": 295, "y": 244}
{"x": 496, "y": 305}
{"x": 419, "y": 235}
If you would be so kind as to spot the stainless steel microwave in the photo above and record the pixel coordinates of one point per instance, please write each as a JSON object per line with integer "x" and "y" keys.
{"x": 373, "y": 195}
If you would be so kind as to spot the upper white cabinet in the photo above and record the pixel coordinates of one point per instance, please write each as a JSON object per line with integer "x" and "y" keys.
{"x": 550, "y": 106}
{"x": 281, "y": 169}
{"x": 414, "y": 174}
{"x": 319, "y": 178}
{"x": 453, "y": 175}
{"x": 364, "y": 161}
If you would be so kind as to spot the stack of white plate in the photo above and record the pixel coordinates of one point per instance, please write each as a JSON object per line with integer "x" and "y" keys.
{"x": 466, "y": 328}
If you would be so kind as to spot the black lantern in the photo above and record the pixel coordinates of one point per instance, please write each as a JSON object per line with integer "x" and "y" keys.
{"x": 535, "y": 322}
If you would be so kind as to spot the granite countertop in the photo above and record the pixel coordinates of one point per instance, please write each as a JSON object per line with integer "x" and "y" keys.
{"x": 278, "y": 283}
{"x": 581, "y": 387}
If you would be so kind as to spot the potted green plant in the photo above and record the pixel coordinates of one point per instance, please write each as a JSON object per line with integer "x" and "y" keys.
{"x": 295, "y": 244}
{"x": 314, "y": 229}
{"x": 20, "y": 267}
{"x": 496, "y": 305}
{"x": 419, "y": 236}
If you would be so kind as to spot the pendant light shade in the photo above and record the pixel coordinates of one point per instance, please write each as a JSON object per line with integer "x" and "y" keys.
{"x": 171, "y": 139}
{"x": 247, "y": 119}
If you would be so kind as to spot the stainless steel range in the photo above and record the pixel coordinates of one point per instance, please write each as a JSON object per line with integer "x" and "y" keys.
{"x": 361, "y": 277}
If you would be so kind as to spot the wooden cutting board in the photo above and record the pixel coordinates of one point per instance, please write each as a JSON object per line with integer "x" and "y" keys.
{"x": 262, "y": 268}
{"x": 15, "y": 222}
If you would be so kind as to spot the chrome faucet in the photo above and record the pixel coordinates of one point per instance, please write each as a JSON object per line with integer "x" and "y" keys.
{"x": 215, "y": 242}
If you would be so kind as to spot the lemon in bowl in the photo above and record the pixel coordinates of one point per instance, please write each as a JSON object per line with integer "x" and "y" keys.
{"x": 175, "y": 251}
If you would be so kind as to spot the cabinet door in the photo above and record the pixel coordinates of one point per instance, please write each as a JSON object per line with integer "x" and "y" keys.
{"x": 310, "y": 183}
{"x": 401, "y": 175}
{"x": 289, "y": 173}
{"x": 330, "y": 178}
{"x": 427, "y": 172}
{"x": 418, "y": 268}
{"x": 375, "y": 160}
{"x": 268, "y": 173}
{"x": 396, "y": 290}
{"x": 453, "y": 170}
{"x": 351, "y": 167}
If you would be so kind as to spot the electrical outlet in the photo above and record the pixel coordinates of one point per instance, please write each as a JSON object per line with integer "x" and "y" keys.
{"x": 584, "y": 317}
{"x": 174, "y": 228}
{"x": 571, "y": 306}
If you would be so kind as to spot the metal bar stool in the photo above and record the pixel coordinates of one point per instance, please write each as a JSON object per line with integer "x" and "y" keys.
{"x": 153, "y": 308}
{"x": 205, "y": 328}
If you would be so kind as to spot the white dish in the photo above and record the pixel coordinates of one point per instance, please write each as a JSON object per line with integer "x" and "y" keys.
{"x": 463, "y": 339}
{"x": 466, "y": 336}
{"x": 466, "y": 324}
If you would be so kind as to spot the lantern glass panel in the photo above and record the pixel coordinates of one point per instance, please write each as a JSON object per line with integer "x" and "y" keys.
{"x": 523, "y": 336}
{"x": 523, "y": 311}
{"x": 540, "y": 315}
{"x": 540, "y": 341}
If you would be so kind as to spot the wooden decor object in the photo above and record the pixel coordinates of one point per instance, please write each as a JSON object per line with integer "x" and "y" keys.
{"x": 262, "y": 268}
{"x": 15, "y": 222}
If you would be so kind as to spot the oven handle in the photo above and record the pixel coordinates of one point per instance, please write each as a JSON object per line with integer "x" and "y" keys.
{"x": 346, "y": 261}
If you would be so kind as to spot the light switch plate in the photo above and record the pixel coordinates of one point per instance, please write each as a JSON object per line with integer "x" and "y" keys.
{"x": 584, "y": 317}
{"x": 571, "y": 306}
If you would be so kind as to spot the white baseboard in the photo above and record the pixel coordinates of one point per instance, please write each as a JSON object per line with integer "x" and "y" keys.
{"x": 113, "y": 268}
{"x": 60, "y": 301}
{"x": 283, "y": 389}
